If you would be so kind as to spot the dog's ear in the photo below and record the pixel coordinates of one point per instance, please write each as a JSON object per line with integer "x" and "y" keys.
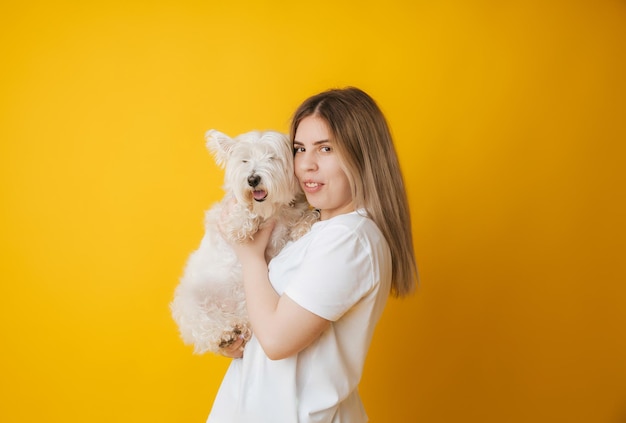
{"x": 220, "y": 145}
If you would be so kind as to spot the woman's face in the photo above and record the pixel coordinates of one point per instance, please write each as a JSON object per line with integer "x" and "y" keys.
{"x": 319, "y": 170}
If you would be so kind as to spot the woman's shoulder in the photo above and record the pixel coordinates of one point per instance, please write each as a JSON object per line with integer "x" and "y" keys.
{"x": 348, "y": 220}
{"x": 356, "y": 223}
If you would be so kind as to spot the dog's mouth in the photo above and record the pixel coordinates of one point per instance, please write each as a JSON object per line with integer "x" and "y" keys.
{"x": 259, "y": 195}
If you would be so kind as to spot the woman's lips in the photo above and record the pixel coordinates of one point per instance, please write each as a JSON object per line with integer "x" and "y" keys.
{"x": 311, "y": 186}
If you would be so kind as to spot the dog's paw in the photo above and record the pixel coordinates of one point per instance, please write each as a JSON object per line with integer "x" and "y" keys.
{"x": 237, "y": 224}
{"x": 303, "y": 226}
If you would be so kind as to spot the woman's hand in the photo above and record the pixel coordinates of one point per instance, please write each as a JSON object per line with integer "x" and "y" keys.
{"x": 234, "y": 350}
{"x": 254, "y": 248}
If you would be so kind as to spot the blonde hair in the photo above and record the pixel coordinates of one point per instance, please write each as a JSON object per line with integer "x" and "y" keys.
{"x": 363, "y": 141}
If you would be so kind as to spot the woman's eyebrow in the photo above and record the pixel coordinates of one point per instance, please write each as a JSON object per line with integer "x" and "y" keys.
{"x": 296, "y": 142}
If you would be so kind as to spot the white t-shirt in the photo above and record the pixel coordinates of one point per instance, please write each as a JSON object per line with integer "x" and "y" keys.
{"x": 341, "y": 271}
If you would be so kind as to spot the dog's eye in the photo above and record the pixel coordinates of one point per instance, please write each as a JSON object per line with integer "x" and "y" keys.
{"x": 244, "y": 161}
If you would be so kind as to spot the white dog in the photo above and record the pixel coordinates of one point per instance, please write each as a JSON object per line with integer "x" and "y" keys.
{"x": 209, "y": 303}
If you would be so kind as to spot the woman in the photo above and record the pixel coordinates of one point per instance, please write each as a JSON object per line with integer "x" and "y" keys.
{"x": 314, "y": 308}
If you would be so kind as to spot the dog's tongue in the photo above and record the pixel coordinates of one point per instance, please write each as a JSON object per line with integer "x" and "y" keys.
{"x": 259, "y": 194}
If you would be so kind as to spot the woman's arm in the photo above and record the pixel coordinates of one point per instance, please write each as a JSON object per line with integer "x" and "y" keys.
{"x": 282, "y": 327}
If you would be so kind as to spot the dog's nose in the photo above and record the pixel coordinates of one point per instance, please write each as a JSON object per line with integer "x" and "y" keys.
{"x": 253, "y": 180}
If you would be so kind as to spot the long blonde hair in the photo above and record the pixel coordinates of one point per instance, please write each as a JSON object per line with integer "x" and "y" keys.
{"x": 363, "y": 141}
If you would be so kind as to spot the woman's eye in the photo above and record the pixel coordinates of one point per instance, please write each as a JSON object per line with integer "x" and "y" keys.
{"x": 325, "y": 148}
{"x": 298, "y": 149}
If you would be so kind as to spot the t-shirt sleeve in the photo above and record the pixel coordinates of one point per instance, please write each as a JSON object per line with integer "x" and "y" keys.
{"x": 336, "y": 273}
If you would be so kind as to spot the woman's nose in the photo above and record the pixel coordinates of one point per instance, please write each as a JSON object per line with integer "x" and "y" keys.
{"x": 305, "y": 161}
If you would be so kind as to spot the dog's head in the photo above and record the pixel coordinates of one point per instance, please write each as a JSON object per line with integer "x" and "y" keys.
{"x": 258, "y": 165}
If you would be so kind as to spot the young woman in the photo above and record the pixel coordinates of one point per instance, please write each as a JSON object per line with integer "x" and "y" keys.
{"x": 314, "y": 308}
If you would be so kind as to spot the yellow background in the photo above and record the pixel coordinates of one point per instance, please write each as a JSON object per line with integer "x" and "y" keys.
{"x": 510, "y": 124}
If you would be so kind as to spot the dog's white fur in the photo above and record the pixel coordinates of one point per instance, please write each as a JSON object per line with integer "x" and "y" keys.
{"x": 209, "y": 302}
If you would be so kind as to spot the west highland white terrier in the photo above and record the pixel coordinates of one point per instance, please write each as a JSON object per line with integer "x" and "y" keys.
{"x": 209, "y": 302}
